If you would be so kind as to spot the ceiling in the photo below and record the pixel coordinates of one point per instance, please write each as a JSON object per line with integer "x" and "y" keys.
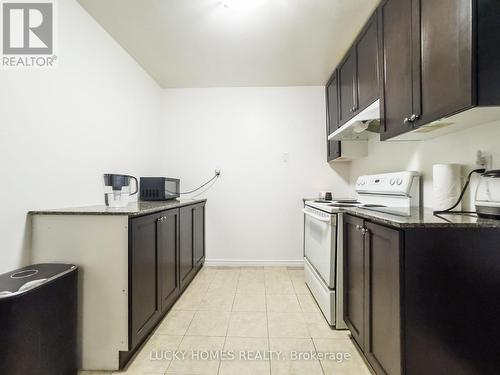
{"x": 202, "y": 43}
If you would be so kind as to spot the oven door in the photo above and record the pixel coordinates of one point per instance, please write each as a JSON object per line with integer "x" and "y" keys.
{"x": 320, "y": 229}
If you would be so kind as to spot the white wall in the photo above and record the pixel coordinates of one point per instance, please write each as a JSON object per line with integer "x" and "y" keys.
{"x": 460, "y": 147}
{"x": 254, "y": 210}
{"x": 61, "y": 129}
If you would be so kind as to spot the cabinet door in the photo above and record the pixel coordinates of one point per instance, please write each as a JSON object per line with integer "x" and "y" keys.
{"x": 144, "y": 301}
{"x": 168, "y": 255}
{"x": 186, "y": 246}
{"x": 332, "y": 116}
{"x": 333, "y": 150}
{"x": 347, "y": 90}
{"x": 446, "y": 45}
{"x": 398, "y": 58}
{"x": 199, "y": 233}
{"x": 354, "y": 278}
{"x": 383, "y": 330}
{"x": 367, "y": 66}
{"x": 332, "y": 103}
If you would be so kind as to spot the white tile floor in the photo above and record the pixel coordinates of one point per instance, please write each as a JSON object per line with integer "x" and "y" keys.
{"x": 246, "y": 312}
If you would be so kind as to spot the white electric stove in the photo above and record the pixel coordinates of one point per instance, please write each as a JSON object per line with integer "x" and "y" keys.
{"x": 394, "y": 193}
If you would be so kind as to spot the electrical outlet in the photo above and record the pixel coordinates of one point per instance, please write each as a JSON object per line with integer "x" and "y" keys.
{"x": 484, "y": 159}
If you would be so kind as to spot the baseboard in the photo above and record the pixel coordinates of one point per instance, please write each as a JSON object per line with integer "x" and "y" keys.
{"x": 253, "y": 263}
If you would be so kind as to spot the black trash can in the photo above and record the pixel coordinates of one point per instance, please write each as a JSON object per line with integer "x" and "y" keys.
{"x": 38, "y": 320}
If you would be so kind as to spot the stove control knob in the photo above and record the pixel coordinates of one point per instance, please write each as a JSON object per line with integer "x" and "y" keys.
{"x": 399, "y": 181}
{"x": 362, "y": 182}
{"x": 392, "y": 181}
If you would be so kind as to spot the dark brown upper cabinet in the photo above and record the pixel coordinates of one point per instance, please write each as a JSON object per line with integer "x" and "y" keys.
{"x": 332, "y": 103}
{"x": 367, "y": 72}
{"x": 358, "y": 74}
{"x": 353, "y": 86}
{"x": 347, "y": 87}
{"x": 440, "y": 58}
{"x": 395, "y": 19}
{"x": 332, "y": 116}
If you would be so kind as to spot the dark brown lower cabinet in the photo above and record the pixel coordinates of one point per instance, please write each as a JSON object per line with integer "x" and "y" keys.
{"x": 428, "y": 297}
{"x": 166, "y": 250}
{"x": 371, "y": 292}
{"x": 199, "y": 234}
{"x": 168, "y": 258}
{"x": 354, "y": 278}
{"x": 187, "y": 266}
{"x": 192, "y": 245}
{"x": 145, "y": 306}
{"x": 382, "y": 313}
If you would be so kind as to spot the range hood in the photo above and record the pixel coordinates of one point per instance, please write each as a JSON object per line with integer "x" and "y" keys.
{"x": 358, "y": 128}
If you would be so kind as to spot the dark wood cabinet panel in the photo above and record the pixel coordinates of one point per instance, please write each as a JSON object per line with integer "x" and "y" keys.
{"x": 439, "y": 58}
{"x": 383, "y": 320}
{"x": 367, "y": 65}
{"x": 333, "y": 150}
{"x": 436, "y": 336}
{"x": 446, "y": 58}
{"x": 168, "y": 255}
{"x": 347, "y": 87}
{"x": 166, "y": 249}
{"x": 414, "y": 313}
{"x": 354, "y": 278}
{"x": 332, "y": 116}
{"x": 186, "y": 257}
{"x": 199, "y": 233}
{"x": 145, "y": 304}
{"x": 332, "y": 103}
{"x": 397, "y": 55}
{"x": 487, "y": 40}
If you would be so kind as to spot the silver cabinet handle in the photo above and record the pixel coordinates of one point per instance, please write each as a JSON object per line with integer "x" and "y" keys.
{"x": 365, "y": 230}
{"x": 406, "y": 120}
{"x": 414, "y": 117}
{"x": 359, "y": 227}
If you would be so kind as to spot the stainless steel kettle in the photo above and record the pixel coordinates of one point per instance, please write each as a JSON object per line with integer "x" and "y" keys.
{"x": 488, "y": 195}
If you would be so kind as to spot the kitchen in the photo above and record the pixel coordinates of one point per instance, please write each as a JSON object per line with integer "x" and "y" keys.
{"x": 169, "y": 89}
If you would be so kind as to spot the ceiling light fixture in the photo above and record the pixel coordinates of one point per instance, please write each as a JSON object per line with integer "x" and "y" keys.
{"x": 242, "y": 5}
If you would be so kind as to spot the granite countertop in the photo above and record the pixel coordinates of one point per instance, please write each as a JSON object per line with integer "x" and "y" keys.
{"x": 133, "y": 208}
{"x": 425, "y": 218}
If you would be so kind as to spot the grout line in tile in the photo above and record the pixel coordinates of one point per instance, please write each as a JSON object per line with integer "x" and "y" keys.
{"x": 316, "y": 350}
{"x": 227, "y": 329}
{"x": 267, "y": 323}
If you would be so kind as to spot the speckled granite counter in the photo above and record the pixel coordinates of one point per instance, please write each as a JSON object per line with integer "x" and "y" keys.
{"x": 425, "y": 218}
{"x": 133, "y": 209}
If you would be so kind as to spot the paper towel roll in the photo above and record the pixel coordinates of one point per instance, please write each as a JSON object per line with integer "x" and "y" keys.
{"x": 447, "y": 185}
